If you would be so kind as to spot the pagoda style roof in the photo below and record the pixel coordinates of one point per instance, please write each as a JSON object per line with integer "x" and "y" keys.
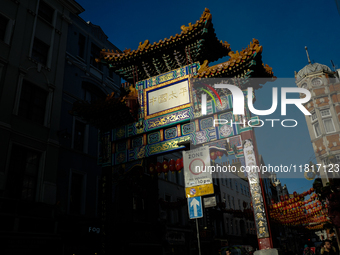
{"x": 245, "y": 64}
{"x": 239, "y": 63}
{"x": 196, "y": 43}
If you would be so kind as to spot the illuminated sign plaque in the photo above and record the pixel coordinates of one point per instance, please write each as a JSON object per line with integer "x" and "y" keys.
{"x": 167, "y": 97}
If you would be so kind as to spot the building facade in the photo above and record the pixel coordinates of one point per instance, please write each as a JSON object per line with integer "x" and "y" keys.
{"x": 33, "y": 43}
{"x": 323, "y": 123}
{"x": 78, "y": 179}
{"x": 48, "y": 160}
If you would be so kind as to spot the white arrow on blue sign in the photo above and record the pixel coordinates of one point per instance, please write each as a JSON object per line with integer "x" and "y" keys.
{"x": 195, "y": 207}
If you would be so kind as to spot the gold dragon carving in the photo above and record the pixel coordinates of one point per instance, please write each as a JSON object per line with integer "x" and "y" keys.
{"x": 204, "y": 66}
{"x": 186, "y": 29}
{"x": 143, "y": 45}
{"x": 206, "y": 15}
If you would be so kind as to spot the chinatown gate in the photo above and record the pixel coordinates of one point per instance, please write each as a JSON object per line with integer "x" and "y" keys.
{"x": 160, "y": 112}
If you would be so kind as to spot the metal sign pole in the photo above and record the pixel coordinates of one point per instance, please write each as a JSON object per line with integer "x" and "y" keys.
{"x": 198, "y": 238}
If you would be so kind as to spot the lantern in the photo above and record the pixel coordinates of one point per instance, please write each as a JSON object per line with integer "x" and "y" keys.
{"x": 172, "y": 164}
{"x": 165, "y": 166}
{"x": 286, "y": 197}
{"x": 159, "y": 168}
{"x": 281, "y": 198}
{"x": 213, "y": 156}
{"x": 152, "y": 168}
{"x": 272, "y": 200}
{"x": 219, "y": 154}
{"x": 295, "y": 194}
{"x": 178, "y": 165}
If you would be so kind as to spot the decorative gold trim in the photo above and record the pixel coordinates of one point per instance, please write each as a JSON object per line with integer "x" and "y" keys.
{"x": 186, "y": 77}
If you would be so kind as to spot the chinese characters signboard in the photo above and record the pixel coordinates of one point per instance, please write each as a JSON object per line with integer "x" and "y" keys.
{"x": 255, "y": 189}
{"x": 166, "y": 98}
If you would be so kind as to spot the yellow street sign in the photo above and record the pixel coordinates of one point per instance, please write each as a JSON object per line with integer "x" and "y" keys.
{"x": 201, "y": 190}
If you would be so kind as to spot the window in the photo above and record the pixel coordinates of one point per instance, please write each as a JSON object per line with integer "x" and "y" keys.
{"x": 23, "y": 172}
{"x": 95, "y": 52}
{"x": 241, "y": 187}
{"x": 6, "y": 25}
{"x": 46, "y": 12}
{"x": 215, "y": 180}
{"x": 32, "y": 102}
{"x": 40, "y": 51}
{"x": 76, "y": 193}
{"x": 317, "y": 129}
{"x": 231, "y": 183}
{"x": 229, "y": 202}
{"x": 81, "y": 45}
{"x": 79, "y": 135}
{"x": 329, "y": 126}
{"x": 236, "y": 187}
{"x": 227, "y": 225}
{"x": 248, "y": 192}
{"x": 224, "y": 198}
{"x": 222, "y": 180}
{"x": 325, "y": 113}
{"x": 317, "y": 82}
{"x": 3, "y": 27}
{"x": 337, "y": 158}
{"x": 233, "y": 202}
{"x": 226, "y": 182}
{"x": 239, "y": 204}
{"x": 314, "y": 117}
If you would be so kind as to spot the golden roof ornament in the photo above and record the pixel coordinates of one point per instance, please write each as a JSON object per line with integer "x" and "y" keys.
{"x": 143, "y": 45}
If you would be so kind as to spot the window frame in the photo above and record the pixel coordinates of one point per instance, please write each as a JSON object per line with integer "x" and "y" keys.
{"x": 315, "y": 119}
{"x": 337, "y": 157}
{"x": 324, "y": 116}
{"x": 33, "y": 88}
{"x": 86, "y": 135}
{"x": 79, "y": 46}
{"x": 93, "y": 56}
{"x": 329, "y": 119}
{"x": 41, "y": 163}
{"x": 35, "y": 51}
{"x": 47, "y": 17}
{"x": 315, "y": 133}
{"x": 8, "y": 29}
{"x": 317, "y": 79}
